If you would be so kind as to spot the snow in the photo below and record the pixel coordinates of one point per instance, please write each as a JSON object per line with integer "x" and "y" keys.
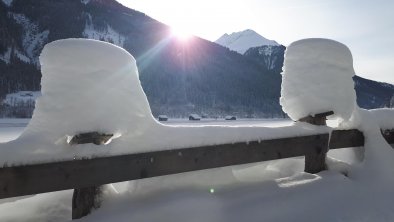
{"x": 13, "y": 99}
{"x": 267, "y": 51}
{"x": 242, "y": 41}
{"x": 238, "y": 122}
{"x": 384, "y": 117}
{"x": 6, "y": 56}
{"x": 32, "y": 39}
{"x": 84, "y": 89}
{"x": 85, "y": 1}
{"x": 257, "y": 192}
{"x": 10, "y": 129}
{"x": 8, "y": 2}
{"x": 317, "y": 77}
{"x": 22, "y": 56}
{"x": 108, "y": 34}
{"x": 268, "y": 59}
{"x": 51, "y": 207}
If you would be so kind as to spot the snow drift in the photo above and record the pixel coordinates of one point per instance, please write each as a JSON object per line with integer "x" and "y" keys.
{"x": 86, "y": 86}
{"x": 317, "y": 77}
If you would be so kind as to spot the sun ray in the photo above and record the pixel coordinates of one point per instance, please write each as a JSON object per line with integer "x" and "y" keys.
{"x": 180, "y": 33}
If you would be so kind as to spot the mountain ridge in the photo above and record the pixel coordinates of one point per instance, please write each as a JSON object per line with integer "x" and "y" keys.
{"x": 178, "y": 79}
{"x": 243, "y": 40}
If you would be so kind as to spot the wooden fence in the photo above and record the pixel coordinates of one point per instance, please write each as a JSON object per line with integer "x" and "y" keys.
{"x": 85, "y": 173}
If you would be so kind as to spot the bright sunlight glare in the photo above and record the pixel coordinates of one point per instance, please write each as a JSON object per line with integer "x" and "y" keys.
{"x": 181, "y": 34}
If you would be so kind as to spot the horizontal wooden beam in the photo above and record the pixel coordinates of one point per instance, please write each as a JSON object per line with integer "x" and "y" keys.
{"x": 48, "y": 177}
{"x": 346, "y": 138}
{"x": 354, "y": 138}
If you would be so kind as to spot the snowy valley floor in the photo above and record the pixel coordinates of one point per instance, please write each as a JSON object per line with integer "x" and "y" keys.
{"x": 269, "y": 191}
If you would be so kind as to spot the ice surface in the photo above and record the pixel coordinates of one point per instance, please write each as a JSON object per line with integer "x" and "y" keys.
{"x": 317, "y": 77}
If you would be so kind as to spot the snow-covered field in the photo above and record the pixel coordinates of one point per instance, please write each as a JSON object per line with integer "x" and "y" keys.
{"x": 270, "y": 191}
{"x": 10, "y": 129}
{"x": 56, "y": 206}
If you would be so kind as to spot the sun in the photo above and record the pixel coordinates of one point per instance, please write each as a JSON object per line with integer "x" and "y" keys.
{"x": 181, "y": 34}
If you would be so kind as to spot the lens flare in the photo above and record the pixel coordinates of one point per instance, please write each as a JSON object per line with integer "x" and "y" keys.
{"x": 181, "y": 34}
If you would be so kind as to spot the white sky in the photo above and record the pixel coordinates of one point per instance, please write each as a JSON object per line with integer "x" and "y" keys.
{"x": 366, "y": 27}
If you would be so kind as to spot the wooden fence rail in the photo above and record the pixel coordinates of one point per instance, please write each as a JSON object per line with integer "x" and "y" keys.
{"x": 48, "y": 177}
{"x": 75, "y": 174}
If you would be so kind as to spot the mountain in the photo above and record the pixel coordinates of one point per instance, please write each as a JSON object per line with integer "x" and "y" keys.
{"x": 372, "y": 94}
{"x": 178, "y": 77}
{"x": 269, "y": 56}
{"x": 242, "y": 41}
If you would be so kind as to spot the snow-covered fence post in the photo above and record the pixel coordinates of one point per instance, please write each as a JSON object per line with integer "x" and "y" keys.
{"x": 86, "y": 93}
{"x": 315, "y": 161}
{"x": 87, "y": 198}
{"x": 316, "y": 83}
{"x": 84, "y": 200}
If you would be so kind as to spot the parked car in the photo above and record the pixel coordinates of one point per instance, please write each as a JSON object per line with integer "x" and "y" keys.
{"x": 163, "y": 118}
{"x": 194, "y": 117}
{"x": 230, "y": 118}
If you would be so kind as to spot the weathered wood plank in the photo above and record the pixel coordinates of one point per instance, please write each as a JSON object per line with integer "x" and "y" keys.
{"x": 91, "y": 137}
{"x": 346, "y": 138}
{"x": 85, "y": 200}
{"x": 315, "y": 159}
{"x": 47, "y": 177}
{"x": 318, "y": 119}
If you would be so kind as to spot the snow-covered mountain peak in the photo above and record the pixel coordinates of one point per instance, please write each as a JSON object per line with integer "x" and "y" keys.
{"x": 242, "y": 41}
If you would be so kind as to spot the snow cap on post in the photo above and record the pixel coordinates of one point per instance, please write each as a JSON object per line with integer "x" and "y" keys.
{"x": 317, "y": 78}
{"x": 88, "y": 86}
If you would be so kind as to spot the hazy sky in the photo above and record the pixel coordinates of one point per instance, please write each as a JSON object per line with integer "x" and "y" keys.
{"x": 365, "y": 26}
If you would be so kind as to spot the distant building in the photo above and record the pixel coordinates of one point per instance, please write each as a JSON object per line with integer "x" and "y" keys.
{"x": 163, "y": 118}
{"x": 230, "y": 118}
{"x": 194, "y": 117}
